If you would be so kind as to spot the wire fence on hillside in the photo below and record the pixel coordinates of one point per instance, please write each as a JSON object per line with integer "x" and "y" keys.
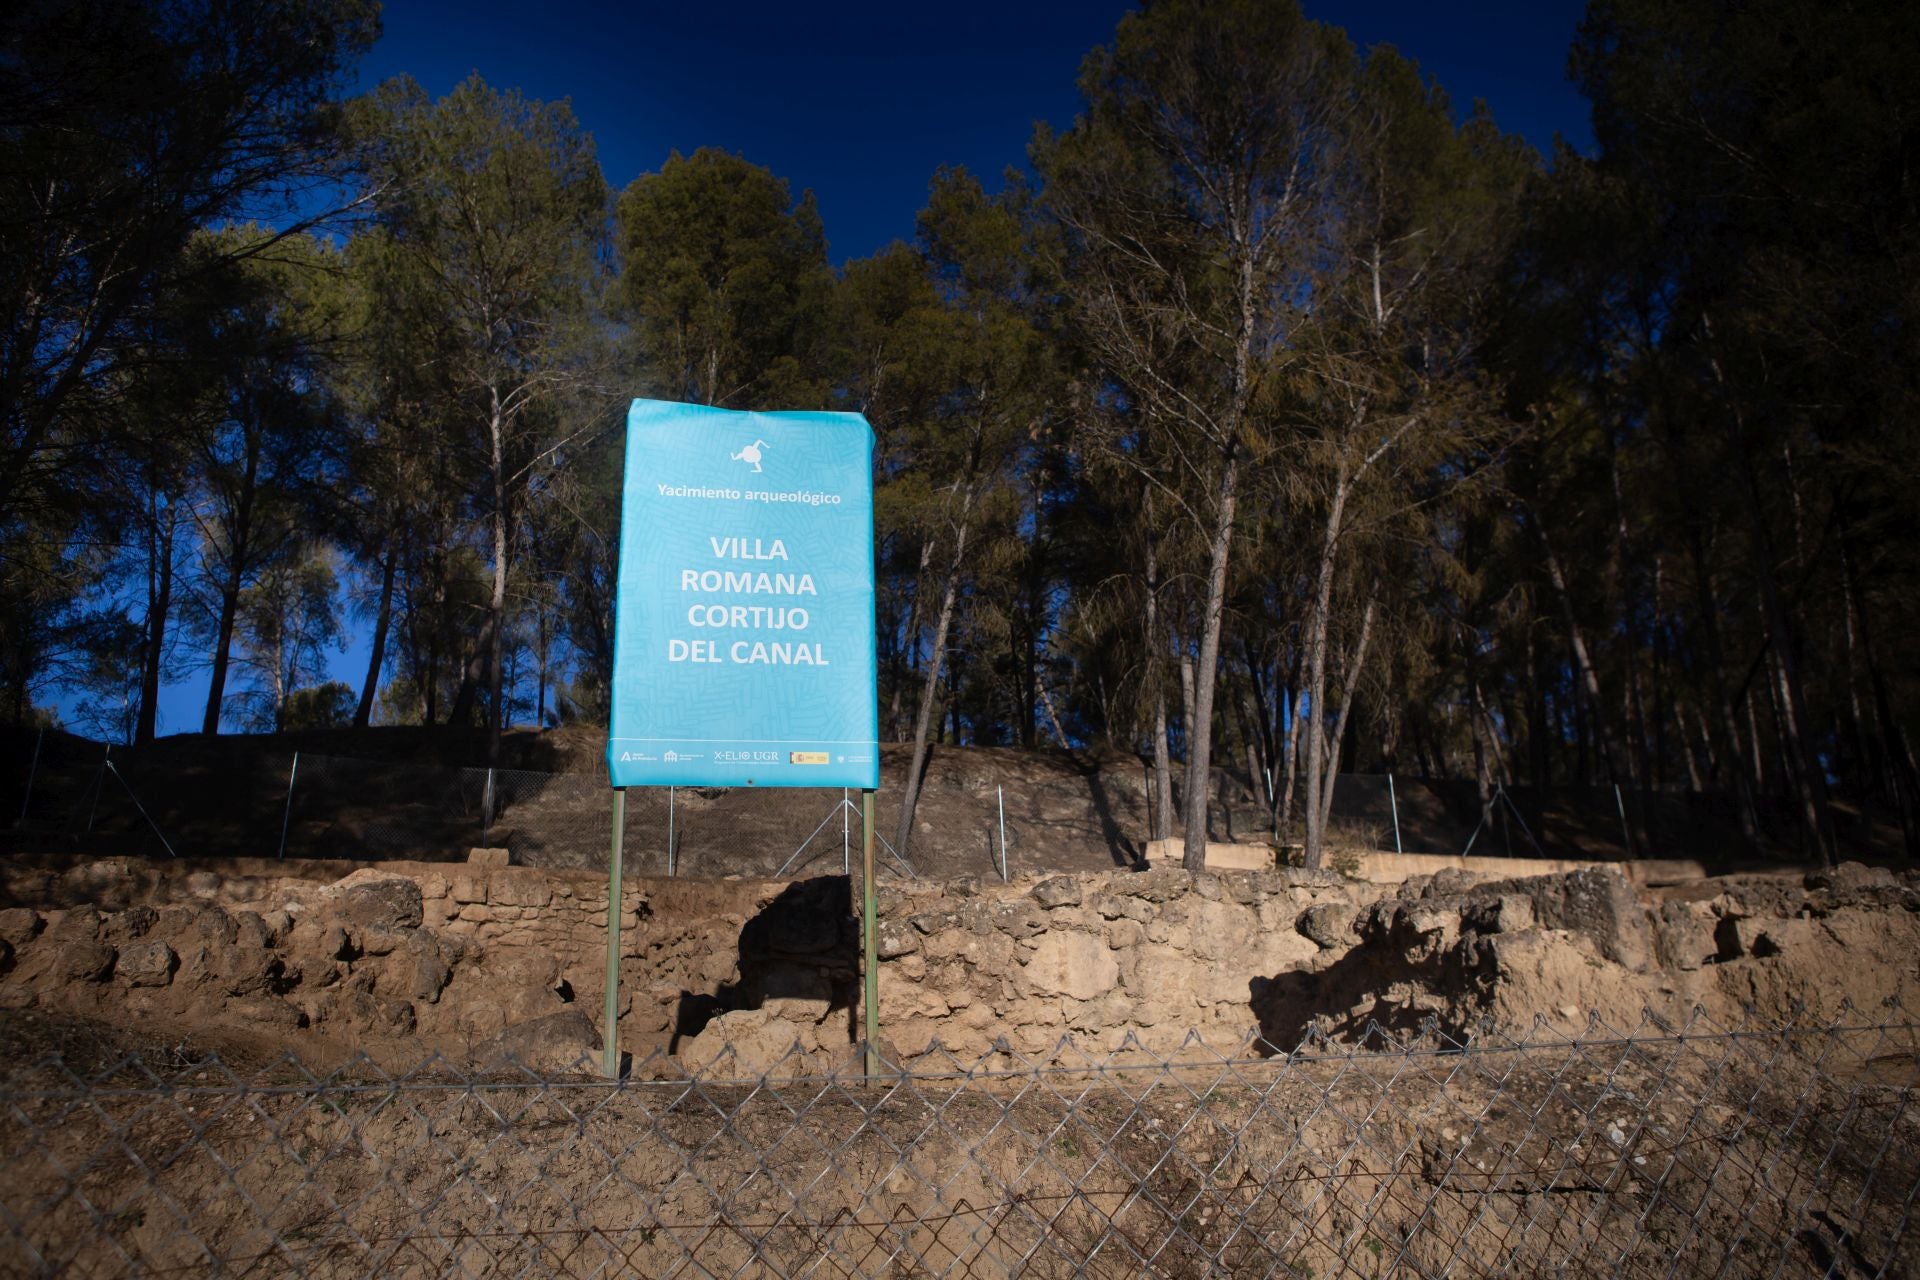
{"x": 231, "y": 798}
{"x": 1697, "y": 1150}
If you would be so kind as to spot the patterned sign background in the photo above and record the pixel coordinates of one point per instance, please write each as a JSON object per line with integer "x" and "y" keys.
{"x": 743, "y": 628}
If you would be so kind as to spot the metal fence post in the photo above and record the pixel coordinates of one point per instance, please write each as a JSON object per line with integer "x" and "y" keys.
{"x": 610, "y": 1051}
{"x": 1393, "y": 801}
{"x": 670, "y": 831}
{"x": 846, "y": 844}
{"x": 486, "y": 808}
{"x": 286, "y": 815}
{"x": 99, "y": 781}
{"x": 1626, "y": 832}
{"x": 869, "y": 923}
{"x": 33, "y": 770}
{"x": 1001, "y": 795}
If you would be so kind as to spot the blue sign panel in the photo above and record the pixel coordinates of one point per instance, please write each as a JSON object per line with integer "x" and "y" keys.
{"x": 743, "y": 624}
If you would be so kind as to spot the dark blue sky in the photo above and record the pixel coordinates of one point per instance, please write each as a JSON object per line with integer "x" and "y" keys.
{"x": 861, "y": 102}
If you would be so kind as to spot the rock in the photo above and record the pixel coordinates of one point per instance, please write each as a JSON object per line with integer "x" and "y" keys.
{"x": 535, "y": 969}
{"x": 1059, "y": 891}
{"x": 250, "y": 931}
{"x": 279, "y": 926}
{"x": 208, "y": 923}
{"x": 379, "y": 940}
{"x": 84, "y": 961}
{"x": 892, "y": 940}
{"x": 1327, "y": 925}
{"x": 129, "y": 925}
{"x": 1594, "y": 901}
{"x": 429, "y": 977}
{"x": 389, "y": 902}
{"x": 522, "y": 1004}
{"x": 19, "y": 926}
{"x": 520, "y": 889}
{"x": 146, "y": 964}
{"x": 1851, "y": 877}
{"x": 1429, "y": 921}
{"x": 566, "y": 1041}
{"x": 1018, "y": 919}
{"x": 469, "y": 889}
{"x": 1739, "y": 937}
{"x": 1512, "y": 913}
{"x": 77, "y": 924}
{"x": 335, "y": 945}
{"x": 245, "y": 972}
{"x": 488, "y": 857}
{"x": 746, "y": 1044}
{"x": 1073, "y": 964}
{"x": 268, "y": 1011}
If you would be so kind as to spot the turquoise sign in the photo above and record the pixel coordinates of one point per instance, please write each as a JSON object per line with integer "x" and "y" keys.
{"x": 743, "y": 622}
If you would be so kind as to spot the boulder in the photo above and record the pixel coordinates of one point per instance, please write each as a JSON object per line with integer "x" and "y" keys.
{"x": 1059, "y": 891}
{"x": 1594, "y": 901}
{"x": 1327, "y": 925}
{"x": 558, "y": 1042}
{"x": 19, "y": 926}
{"x": 84, "y": 961}
{"x": 388, "y": 903}
{"x": 129, "y": 925}
{"x": 146, "y": 964}
{"x": 520, "y": 889}
{"x": 488, "y": 857}
{"x": 892, "y": 940}
{"x": 430, "y": 975}
{"x": 268, "y": 1011}
{"x": 745, "y": 1044}
{"x": 78, "y": 924}
{"x": 1073, "y": 964}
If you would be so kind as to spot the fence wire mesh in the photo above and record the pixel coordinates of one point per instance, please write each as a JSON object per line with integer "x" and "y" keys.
{"x": 1658, "y": 1150}
{"x": 233, "y": 798}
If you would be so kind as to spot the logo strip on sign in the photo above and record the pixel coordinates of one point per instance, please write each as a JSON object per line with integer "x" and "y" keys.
{"x": 743, "y": 618}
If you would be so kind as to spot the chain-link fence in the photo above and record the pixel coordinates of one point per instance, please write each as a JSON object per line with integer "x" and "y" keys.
{"x": 1658, "y": 1150}
{"x": 229, "y": 797}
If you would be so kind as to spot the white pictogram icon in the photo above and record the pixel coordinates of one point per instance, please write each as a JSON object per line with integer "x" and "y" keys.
{"x": 671, "y": 756}
{"x": 751, "y": 454}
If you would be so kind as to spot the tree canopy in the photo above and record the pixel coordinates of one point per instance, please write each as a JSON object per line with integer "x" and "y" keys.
{"x": 1278, "y": 415}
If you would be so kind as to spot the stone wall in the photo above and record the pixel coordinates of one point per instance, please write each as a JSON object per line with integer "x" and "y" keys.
{"x": 385, "y": 959}
{"x": 744, "y": 977}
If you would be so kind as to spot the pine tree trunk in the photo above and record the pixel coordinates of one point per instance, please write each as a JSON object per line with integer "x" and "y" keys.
{"x": 159, "y": 605}
{"x": 497, "y": 603}
{"x": 923, "y": 717}
{"x": 1583, "y": 661}
{"x": 1206, "y": 666}
{"x": 1317, "y": 668}
{"x": 222, "y": 649}
{"x": 1355, "y": 665}
{"x": 1156, "y": 659}
{"x": 382, "y": 622}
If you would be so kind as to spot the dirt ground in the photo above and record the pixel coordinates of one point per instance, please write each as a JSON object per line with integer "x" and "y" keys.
{"x": 1686, "y": 1156}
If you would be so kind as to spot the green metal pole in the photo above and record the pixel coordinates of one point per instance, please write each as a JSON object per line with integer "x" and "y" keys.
{"x": 610, "y": 1054}
{"x": 869, "y": 914}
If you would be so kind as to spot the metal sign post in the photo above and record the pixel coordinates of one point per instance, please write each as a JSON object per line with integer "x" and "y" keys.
{"x": 610, "y": 1052}
{"x": 869, "y": 931}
